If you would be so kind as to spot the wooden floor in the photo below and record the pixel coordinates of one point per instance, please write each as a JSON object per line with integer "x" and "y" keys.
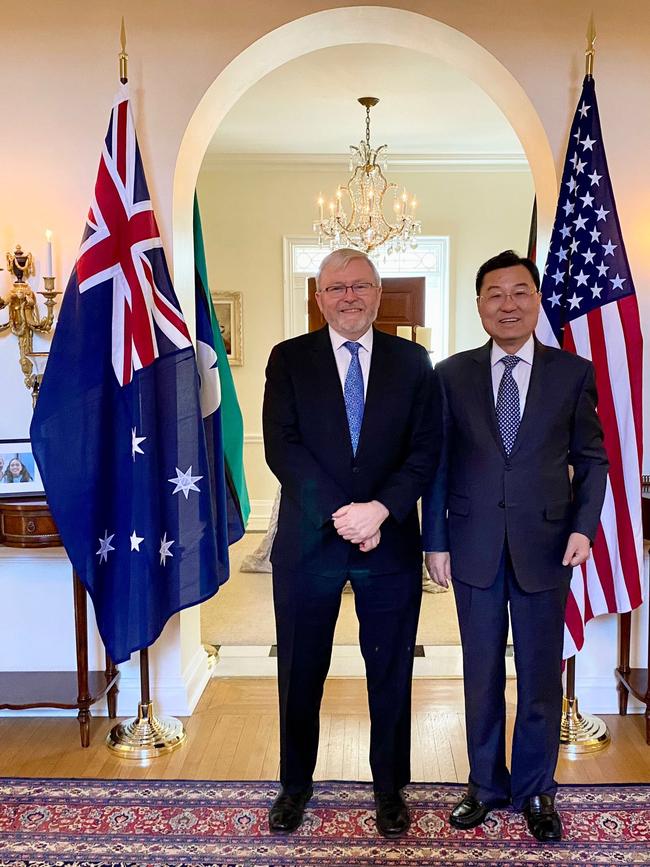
{"x": 233, "y": 735}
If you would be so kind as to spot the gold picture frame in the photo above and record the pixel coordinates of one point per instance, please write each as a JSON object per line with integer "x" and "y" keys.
{"x": 228, "y": 307}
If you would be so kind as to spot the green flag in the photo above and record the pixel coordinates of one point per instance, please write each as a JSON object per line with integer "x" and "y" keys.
{"x": 238, "y": 504}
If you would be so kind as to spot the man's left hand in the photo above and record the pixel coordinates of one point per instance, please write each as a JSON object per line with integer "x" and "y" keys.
{"x": 357, "y": 522}
{"x": 578, "y": 550}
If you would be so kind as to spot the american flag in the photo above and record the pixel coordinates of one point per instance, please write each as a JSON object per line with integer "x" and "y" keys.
{"x": 117, "y": 431}
{"x": 589, "y": 307}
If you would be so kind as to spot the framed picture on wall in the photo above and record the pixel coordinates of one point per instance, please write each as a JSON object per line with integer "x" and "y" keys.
{"x": 19, "y": 474}
{"x": 228, "y": 307}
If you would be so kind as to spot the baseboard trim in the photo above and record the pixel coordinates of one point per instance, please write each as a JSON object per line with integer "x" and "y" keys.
{"x": 598, "y": 695}
{"x": 173, "y": 696}
{"x": 260, "y": 515}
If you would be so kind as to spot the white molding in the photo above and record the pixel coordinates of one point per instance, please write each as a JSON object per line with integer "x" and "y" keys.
{"x": 598, "y": 695}
{"x": 260, "y": 515}
{"x": 172, "y": 696}
{"x": 424, "y": 163}
{"x": 31, "y": 556}
{"x": 254, "y": 438}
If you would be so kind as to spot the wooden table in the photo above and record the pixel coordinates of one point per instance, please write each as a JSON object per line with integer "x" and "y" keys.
{"x": 27, "y": 523}
{"x": 634, "y": 680}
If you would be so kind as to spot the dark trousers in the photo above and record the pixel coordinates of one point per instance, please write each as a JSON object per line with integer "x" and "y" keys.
{"x": 306, "y": 609}
{"x": 538, "y": 633}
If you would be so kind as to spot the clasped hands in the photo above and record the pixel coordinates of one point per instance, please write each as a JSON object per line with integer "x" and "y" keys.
{"x": 438, "y": 563}
{"x": 359, "y": 523}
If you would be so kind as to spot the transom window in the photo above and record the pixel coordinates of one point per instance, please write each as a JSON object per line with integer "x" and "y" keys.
{"x": 302, "y": 257}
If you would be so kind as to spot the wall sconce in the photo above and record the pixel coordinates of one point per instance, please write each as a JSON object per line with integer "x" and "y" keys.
{"x": 24, "y": 318}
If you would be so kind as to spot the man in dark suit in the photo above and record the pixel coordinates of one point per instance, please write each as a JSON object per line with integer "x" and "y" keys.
{"x": 349, "y": 432}
{"x": 507, "y": 520}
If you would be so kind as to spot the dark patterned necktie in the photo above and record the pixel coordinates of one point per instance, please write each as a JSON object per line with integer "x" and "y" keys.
{"x": 353, "y": 393}
{"x": 507, "y": 408}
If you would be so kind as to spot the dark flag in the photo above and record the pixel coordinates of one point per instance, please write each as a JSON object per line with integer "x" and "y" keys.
{"x": 117, "y": 430}
{"x": 590, "y": 307}
{"x": 531, "y": 251}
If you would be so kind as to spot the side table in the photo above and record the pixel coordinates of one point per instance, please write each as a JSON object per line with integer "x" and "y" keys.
{"x": 27, "y": 523}
{"x": 634, "y": 680}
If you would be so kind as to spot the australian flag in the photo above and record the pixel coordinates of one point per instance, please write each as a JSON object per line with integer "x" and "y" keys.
{"x": 117, "y": 431}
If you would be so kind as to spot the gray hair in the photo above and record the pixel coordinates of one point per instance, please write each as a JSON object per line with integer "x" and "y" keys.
{"x": 341, "y": 258}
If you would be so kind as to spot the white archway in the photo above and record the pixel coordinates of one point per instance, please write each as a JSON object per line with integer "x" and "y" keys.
{"x": 345, "y": 26}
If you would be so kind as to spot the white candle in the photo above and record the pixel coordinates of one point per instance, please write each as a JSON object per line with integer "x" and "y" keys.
{"x": 50, "y": 267}
{"x": 405, "y": 331}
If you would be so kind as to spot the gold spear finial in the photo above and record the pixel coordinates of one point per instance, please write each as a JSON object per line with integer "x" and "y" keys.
{"x": 124, "y": 57}
{"x": 590, "y": 51}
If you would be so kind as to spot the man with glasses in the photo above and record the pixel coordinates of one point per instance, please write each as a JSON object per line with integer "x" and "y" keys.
{"x": 506, "y": 520}
{"x": 349, "y": 431}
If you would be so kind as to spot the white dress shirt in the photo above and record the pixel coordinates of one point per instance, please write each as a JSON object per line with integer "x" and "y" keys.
{"x": 343, "y": 356}
{"x": 521, "y": 372}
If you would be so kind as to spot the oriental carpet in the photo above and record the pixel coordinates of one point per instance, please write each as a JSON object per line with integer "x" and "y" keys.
{"x": 61, "y": 822}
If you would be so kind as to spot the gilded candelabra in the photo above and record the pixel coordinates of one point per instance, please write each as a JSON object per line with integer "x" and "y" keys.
{"x": 24, "y": 319}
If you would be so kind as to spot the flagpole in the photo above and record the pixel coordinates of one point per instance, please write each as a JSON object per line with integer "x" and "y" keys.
{"x": 145, "y": 736}
{"x": 581, "y": 733}
{"x": 123, "y": 56}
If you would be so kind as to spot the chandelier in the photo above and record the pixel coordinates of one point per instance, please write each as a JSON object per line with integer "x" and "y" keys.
{"x": 356, "y": 217}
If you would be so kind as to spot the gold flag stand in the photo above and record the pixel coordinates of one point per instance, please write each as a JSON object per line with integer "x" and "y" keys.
{"x": 145, "y": 736}
{"x": 579, "y": 733}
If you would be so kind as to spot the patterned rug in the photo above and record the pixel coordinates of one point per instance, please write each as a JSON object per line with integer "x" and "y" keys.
{"x": 129, "y": 822}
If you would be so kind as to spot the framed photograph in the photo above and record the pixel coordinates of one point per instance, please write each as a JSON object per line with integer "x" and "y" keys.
{"x": 228, "y": 307}
{"x": 19, "y": 474}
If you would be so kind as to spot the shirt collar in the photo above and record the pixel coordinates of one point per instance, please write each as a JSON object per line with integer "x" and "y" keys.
{"x": 337, "y": 340}
{"x": 526, "y": 353}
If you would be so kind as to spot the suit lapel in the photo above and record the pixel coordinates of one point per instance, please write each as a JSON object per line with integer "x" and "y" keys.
{"x": 328, "y": 383}
{"x": 484, "y": 392}
{"x": 534, "y": 397}
{"x": 379, "y": 376}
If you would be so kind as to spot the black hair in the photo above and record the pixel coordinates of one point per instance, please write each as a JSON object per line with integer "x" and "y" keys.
{"x": 506, "y": 259}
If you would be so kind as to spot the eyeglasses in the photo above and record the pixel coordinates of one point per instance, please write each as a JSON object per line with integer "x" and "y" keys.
{"x": 520, "y": 295}
{"x": 337, "y": 290}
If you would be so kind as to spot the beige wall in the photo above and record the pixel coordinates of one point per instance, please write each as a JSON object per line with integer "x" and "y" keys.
{"x": 247, "y": 212}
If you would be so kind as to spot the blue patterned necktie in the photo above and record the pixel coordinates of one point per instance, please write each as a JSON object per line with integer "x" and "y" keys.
{"x": 353, "y": 393}
{"x": 507, "y": 407}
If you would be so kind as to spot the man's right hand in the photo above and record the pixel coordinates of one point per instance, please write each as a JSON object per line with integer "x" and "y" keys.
{"x": 438, "y": 565}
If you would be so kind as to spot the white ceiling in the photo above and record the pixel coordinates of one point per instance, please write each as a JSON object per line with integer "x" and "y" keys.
{"x": 309, "y": 106}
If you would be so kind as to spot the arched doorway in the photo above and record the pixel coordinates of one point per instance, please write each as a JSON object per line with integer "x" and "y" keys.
{"x": 350, "y": 25}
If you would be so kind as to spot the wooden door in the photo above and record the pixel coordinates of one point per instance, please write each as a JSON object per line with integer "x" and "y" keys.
{"x": 402, "y": 303}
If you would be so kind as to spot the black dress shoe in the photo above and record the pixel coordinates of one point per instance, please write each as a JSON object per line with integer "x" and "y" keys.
{"x": 543, "y": 820}
{"x": 287, "y": 811}
{"x": 393, "y": 817}
{"x": 468, "y": 813}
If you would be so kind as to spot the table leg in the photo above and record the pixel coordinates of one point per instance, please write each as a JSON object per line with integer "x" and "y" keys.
{"x": 111, "y": 697}
{"x": 624, "y": 624}
{"x": 81, "y": 635}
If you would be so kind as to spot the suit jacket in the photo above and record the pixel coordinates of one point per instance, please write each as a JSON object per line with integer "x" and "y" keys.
{"x": 308, "y": 447}
{"x": 481, "y": 494}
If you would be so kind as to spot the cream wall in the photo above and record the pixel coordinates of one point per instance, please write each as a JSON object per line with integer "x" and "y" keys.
{"x": 246, "y": 213}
